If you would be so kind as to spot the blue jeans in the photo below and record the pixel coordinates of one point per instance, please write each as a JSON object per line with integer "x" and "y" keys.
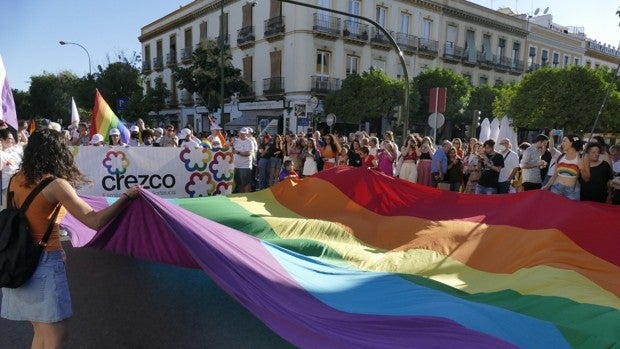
{"x": 565, "y": 190}
{"x": 264, "y": 173}
{"x": 485, "y": 190}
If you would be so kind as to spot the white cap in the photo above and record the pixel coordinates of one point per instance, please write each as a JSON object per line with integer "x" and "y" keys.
{"x": 160, "y": 130}
{"x": 185, "y": 132}
{"x": 115, "y": 131}
{"x": 244, "y": 130}
{"x": 134, "y": 128}
{"x": 250, "y": 130}
{"x": 96, "y": 139}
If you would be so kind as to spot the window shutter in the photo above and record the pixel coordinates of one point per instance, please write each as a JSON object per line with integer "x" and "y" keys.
{"x": 276, "y": 64}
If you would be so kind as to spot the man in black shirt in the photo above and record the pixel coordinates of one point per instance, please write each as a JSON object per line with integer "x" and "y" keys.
{"x": 491, "y": 163}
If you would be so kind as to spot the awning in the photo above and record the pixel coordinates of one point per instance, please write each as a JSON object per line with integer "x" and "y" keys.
{"x": 242, "y": 121}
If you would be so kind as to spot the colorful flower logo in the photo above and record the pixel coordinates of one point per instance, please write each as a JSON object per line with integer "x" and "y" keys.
{"x": 195, "y": 159}
{"x": 116, "y": 162}
{"x": 222, "y": 166}
{"x": 199, "y": 184}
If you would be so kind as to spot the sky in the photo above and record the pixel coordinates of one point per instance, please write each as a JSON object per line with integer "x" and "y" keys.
{"x": 31, "y": 29}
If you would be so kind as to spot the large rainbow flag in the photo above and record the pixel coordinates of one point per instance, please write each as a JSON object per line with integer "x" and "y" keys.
{"x": 104, "y": 119}
{"x": 353, "y": 258}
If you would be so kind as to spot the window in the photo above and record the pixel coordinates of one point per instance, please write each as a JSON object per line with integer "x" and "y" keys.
{"x": 515, "y": 54}
{"x": 531, "y": 55}
{"x": 381, "y": 14}
{"x": 556, "y": 59}
{"x": 247, "y": 70}
{"x": 405, "y": 19}
{"x": 426, "y": 28}
{"x": 501, "y": 49}
{"x": 322, "y": 62}
{"x": 483, "y": 81}
{"x": 566, "y": 60}
{"x": 355, "y": 9}
{"x": 576, "y": 61}
{"x": 470, "y": 46}
{"x": 352, "y": 65}
{"x": 147, "y": 53}
{"x": 486, "y": 47}
{"x": 544, "y": 57}
{"x": 187, "y": 37}
{"x": 203, "y": 31}
{"x": 324, "y": 15}
{"x": 451, "y": 34}
{"x": 378, "y": 64}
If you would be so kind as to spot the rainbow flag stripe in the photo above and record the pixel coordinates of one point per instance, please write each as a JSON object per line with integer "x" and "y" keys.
{"x": 104, "y": 119}
{"x": 353, "y": 258}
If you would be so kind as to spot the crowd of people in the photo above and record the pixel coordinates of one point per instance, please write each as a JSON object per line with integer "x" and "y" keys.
{"x": 577, "y": 169}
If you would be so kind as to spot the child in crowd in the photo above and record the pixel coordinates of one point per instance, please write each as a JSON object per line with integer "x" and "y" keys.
{"x": 288, "y": 171}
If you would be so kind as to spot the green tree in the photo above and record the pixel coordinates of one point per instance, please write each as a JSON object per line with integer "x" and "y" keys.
{"x": 50, "y": 95}
{"x": 118, "y": 80}
{"x": 204, "y": 75}
{"x": 155, "y": 97}
{"x": 366, "y": 97}
{"x": 458, "y": 92}
{"x": 481, "y": 99}
{"x": 22, "y": 104}
{"x": 558, "y": 98}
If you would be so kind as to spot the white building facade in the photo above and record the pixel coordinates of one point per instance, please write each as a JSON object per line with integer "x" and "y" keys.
{"x": 292, "y": 56}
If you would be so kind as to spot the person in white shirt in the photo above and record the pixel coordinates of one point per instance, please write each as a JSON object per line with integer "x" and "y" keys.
{"x": 134, "y": 138}
{"x": 511, "y": 165}
{"x": 11, "y": 155}
{"x": 189, "y": 140}
{"x": 243, "y": 150}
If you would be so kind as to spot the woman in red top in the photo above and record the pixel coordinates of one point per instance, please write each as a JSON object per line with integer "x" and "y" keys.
{"x": 44, "y": 299}
{"x": 368, "y": 160}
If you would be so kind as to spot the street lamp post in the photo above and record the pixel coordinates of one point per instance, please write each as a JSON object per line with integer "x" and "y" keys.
{"x": 90, "y": 72}
{"x": 474, "y": 123}
{"x": 222, "y": 61}
{"x": 392, "y": 41}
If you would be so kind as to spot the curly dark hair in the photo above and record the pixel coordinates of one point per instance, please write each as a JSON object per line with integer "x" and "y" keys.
{"x": 47, "y": 153}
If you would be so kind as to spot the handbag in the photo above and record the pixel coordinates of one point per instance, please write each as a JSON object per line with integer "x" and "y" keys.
{"x": 19, "y": 255}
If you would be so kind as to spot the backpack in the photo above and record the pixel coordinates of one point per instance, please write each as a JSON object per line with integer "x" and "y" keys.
{"x": 19, "y": 255}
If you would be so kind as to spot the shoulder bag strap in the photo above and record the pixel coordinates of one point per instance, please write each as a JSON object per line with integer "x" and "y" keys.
{"x": 50, "y": 226}
{"x": 34, "y": 193}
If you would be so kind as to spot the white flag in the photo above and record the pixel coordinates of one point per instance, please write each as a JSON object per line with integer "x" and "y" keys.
{"x": 75, "y": 117}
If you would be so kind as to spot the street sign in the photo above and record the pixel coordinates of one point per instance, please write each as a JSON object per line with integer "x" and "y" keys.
{"x": 330, "y": 119}
{"x": 314, "y": 102}
{"x": 121, "y": 102}
{"x": 436, "y": 120}
{"x": 303, "y": 122}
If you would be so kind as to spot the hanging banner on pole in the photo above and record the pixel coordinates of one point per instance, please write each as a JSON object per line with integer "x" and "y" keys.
{"x": 437, "y": 100}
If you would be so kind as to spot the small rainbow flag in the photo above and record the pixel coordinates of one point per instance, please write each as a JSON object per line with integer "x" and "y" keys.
{"x": 104, "y": 120}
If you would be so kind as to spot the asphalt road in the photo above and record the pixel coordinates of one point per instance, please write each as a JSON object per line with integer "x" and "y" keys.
{"x": 121, "y": 302}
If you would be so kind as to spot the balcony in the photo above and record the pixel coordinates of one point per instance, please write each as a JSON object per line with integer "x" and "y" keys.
{"x": 516, "y": 67}
{"x": 274, "y": 28}
{"x": 532, "y": 67}
{"x": 158, "y": 63}
{"x": 324, "y": 84}
{"x": 428, "y": 47}
{"x": 355, "y": 32}
{"x": 485, "y": 60}
{"x": 379, "y": 40}
{"x": 187, "y": 98}
{"x": 273, "y": 86}
{"x": 452, "y": 53}
{"x": 245, "y": 37}
{"x": 250, "y": 93}
{"x": 186, "y": 55}
{"x": 171, "y": 58}
{"x": 325, "y": 26}
{"x": 502, "y": 63}
{"x": 146, "y": 66}
{"x": 408, "y": 43}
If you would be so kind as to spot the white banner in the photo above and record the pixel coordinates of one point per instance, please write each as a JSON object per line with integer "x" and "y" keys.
{"x": 167, "y": 172}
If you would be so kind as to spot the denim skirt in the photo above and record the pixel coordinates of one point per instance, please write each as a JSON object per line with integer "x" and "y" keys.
{"x": 44, "y": 298}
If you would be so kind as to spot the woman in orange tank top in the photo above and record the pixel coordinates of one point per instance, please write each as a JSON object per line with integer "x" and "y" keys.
{"x": 47, "y": 155}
